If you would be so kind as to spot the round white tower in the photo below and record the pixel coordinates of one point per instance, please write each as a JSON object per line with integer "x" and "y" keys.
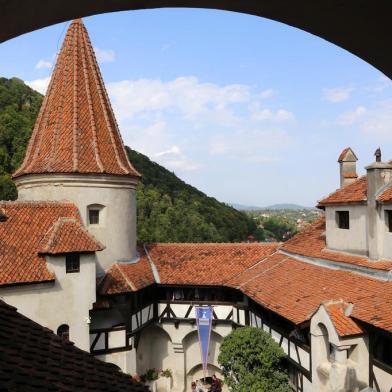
{"x": 76, "y": 152}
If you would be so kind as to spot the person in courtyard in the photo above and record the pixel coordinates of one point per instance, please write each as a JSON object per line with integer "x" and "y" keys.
{"x": 216, "y": 385}
{"x": 196, "y": 388}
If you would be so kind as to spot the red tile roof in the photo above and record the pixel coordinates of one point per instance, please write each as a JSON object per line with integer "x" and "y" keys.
{"x": 344, "y": 153}
{"x": 21, "y": 236}
{"x": 76, "y": 131}
{"x": 311, "y": 243}
{"x": 386, "y": 195}
{"x": 122, "y": 278}
{"x": 344, "y": 325}
{"x": 67, "y": 235}
{"x": 33, "y": 358}
{"x": 355, "y": 192}
{"x": 295, "y": 289}
{"x": 186, "y": 264}
{"x": 206, "y": 264}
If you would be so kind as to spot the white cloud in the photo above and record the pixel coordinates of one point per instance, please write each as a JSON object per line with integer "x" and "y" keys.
{"x": 185, "y": 94}
{"x": 337, "y": 94}
{"x": 39, "y": 85}
{"x": 269, "y": 93}
{"x": 105, "y": 55}
{"x": 43, "y": 64}
{"x": 178, "y": 122}
{"x": 353, "y": 116}
{"x": 174, "y": 150}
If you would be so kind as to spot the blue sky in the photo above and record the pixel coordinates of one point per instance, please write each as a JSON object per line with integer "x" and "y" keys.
{"x": 246, "y": 109}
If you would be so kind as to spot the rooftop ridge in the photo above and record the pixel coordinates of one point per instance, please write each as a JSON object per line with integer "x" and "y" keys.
{"x": 76, "y": 131}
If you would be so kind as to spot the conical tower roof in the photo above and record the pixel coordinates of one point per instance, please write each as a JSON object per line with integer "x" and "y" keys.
{"x": 76, "y": 131}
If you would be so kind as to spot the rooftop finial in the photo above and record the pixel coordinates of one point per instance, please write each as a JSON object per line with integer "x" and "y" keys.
{"x": 378, "y": 154}
{"x": 3, "y": 216}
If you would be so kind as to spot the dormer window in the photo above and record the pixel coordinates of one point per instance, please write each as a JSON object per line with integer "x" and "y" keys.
{"x": 388, "y": 220}
{"x": 93, "y": 217}
{"x": 343, "y": 219}
{"x": 72, "y": 263}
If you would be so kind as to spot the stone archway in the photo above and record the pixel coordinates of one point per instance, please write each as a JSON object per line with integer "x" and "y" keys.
{"x": 363, "y": 28}
{"x": 196, "y": 373}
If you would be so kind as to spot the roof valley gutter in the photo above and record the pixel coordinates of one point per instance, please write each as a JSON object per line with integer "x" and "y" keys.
{"x": 339, "y": 266}
{"x": 153, "y": 266}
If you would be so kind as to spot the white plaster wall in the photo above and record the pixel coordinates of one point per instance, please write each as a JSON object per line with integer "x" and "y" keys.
{"x": 353, "y": 240}
{"x": 117, "y": 228}
{"x": 66, "y": 301}
{"x": 335, "y": 374}
{"x": 125, "y": 360}
{"x": 385, "y": 234}
{"x": 384, "y": 379}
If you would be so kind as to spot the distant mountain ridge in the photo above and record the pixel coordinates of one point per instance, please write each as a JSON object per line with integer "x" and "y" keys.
{"x": 281, "y": 206}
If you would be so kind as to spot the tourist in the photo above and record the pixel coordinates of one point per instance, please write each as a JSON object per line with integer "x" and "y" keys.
{"x": 216, "y": 385}
{"x": 196, "y": 388}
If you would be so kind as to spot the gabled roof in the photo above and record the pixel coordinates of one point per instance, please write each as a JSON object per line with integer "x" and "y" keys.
{"x": 347, "y": 155}
{"x": 67, "y": 235}
{"x": 356, "y": 192}
{"x": 30, "y": 226}
{"x": 344, "y": 325}
{"x": 76, "y": 131}
{"x": 33, "y": 358}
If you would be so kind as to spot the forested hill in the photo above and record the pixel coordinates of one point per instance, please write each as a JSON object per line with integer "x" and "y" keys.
{"x": 173, "y": 211}
{"x": 169, "y": 210}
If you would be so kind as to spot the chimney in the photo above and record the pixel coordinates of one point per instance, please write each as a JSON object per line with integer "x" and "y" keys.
{"x": 379, "y": 174}
{"x": 348, "y": 167}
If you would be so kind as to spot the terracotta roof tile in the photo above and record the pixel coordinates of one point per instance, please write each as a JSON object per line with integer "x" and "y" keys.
{"x": 68, "y": 235}
{"x": 355, "y": 192}
{"x": 311, "y": 243}
{"x": 122, "y": 277}
{"x": 295, "y": 290}
{"x": 199, "y": 264}
{"x": 76, "y": 131}
{"x": 386, "y": 195}
{"x": 33, "y": 358}
{"x": 344, "y": 325}
{"x": 21, "y": 237}
{"x": 344, "y": 153}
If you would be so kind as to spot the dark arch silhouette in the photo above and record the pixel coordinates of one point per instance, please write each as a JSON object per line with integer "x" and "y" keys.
{"x": 63, "y": 331}
{"x": 363, "y": 27}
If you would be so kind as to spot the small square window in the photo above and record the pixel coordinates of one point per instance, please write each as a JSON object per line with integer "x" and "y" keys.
{"x": 343, "y": 219}
{"x": 72, "y": 263}
{"x": 388, "y": 220}
{"x": 93, "y": 217}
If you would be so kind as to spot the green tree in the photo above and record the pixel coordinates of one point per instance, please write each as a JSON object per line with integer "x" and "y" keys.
{"x": 279, "y": 228}
{"x": 251, "y": 361}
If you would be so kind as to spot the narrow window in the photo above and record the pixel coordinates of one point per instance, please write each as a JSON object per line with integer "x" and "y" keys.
{"x": 72, "y": 263}
{"x": 63, "y": 331}
{"x": 388, "y": 220}
{"x": 93, "y": 217}
{"x": 343, "y": 219}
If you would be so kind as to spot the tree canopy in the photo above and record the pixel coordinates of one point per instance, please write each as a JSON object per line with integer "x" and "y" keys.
{"x": 251, "y": 361}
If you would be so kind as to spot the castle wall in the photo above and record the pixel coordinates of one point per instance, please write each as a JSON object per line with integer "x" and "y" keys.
{"x": 115, "y": 196}
{"x": 353, "y": 240}
{"x": 66, "y": 301}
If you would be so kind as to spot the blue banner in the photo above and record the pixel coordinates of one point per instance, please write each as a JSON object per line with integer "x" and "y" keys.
{"x": 204, "y": 322}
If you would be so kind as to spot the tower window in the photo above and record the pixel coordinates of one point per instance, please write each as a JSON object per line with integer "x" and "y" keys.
{"x": 93, "y": 217}
{"x": 388, "y": 220}
{"x": 343, "y": 219}
{"x": 72, "y": 263}
{"x": 63, "y": 331}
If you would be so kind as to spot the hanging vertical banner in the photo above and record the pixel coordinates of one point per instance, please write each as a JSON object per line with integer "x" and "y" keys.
{"x": 204, "y": 322}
